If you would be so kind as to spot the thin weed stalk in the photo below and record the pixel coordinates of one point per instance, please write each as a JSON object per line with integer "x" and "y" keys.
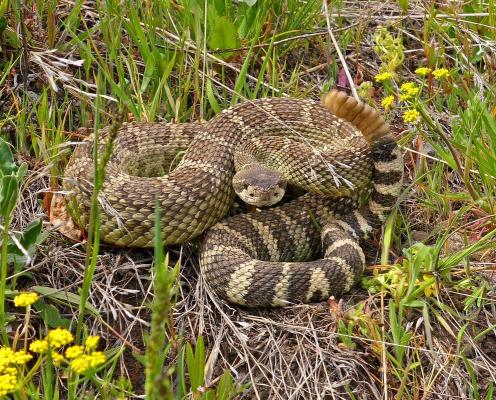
{"x": 94, "y": 222}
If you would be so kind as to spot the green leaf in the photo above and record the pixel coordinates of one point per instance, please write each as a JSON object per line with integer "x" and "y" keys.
{"x": 196, "y": 364}
{"x": 141, "y": 358}
{"x": 33, "y": 235}
{"x": 29, "y": 240}
{"x": 180, "y": 375}
{"x": 51, "y": 315}
{"x": 7, "y": 164}
{"x": 403, "y": 4}
{"x": 3, "y": 8}
{"x": 226, "y": 387}
{"x": 211, "y": 97}
{"x": 13, "y": 39}
{"x": 413, "y": 303}
{"x": 64, "y": 297}
{"x": 490, "y": 391}
{"x": 3, "y": 24}
{"x": 223, "y": 36}
{"x": 9, "y": 192}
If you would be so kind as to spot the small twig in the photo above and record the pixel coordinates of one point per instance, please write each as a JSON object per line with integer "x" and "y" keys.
{"x": 338, "y": 50}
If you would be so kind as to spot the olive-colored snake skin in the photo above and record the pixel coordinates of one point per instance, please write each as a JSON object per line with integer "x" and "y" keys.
{"x": 257, "y": 259}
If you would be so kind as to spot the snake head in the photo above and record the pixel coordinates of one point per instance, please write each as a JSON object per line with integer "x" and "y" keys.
{"x": 259, "y": 186}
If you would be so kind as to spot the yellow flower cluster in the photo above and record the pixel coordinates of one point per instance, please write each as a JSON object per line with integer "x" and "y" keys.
{"x": 59, "y": 337}
{"x": 8, "y": 373}
{"x": 440, "y": 73}
{"x": 21, "y": 357}
{"x": 8, "y": 381}
{"x": 9, "y": 357}
{"x": 74, "y": 352}
{"x": 411, "y": 116}
{"x": 387, "y": 102}
{"x": 80, "y": 358}
{"x": 86, "y": 362}
{"x": 84, "y": 359}
{"x": 91, "y": 342}
{"x": 38, "y": 346}
{"x": 408, "y": 90}
{"x": 384, "y": 76}
{"x": 26, "y": 299}
{"x": 57, "y": 358}
{"x": 423, "y": 71}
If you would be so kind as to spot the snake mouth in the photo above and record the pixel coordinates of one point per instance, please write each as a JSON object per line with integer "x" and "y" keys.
{"x": 262, "y": 198}
{"x": 259, "y": 187}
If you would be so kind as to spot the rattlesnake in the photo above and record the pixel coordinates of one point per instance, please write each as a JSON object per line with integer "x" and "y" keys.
{"x": 198, "y": 193}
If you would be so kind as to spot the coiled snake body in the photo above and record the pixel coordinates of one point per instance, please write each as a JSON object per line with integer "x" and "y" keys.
{"x": 257, "y": 259}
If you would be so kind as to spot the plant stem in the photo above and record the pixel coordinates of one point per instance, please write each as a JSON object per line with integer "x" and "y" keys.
{"x": 3, "y": 282}
{"x": 94, "y": 224}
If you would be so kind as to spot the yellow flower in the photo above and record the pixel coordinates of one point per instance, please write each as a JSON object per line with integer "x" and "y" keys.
{"x": 408, "y": 90}
{"x": 81, "y": 364}
{"x": 407, "y": 87}
{"x": 26, "y": 299}
{"x": 21, "y": 357}
{"x": 433, "y": 288}
{"x": 440, "y": 73}
{"x": 74, "y": 352}
{"x": 91, "y": 342}
{"x": 423, "y": 71}
{"x": 411, "y": 116}
{"x": 97, "y": 359}
{"x": 8, "y": 381}
{"x": 86, "y": 362}
{"x": 383, "y": 77}
{"x": 59, "y": 337}
{"x": 57, "y": 358}
{"x": 39, "y": 346}
{"x": 6, "y": 355}
{"x": 387, "y": 102}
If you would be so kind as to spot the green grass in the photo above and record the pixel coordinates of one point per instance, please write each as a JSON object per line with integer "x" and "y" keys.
{"x": 420, "y": 324}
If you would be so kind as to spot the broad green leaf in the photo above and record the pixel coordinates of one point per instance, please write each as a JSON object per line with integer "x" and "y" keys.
{"x": 223, "y": 36}
{"x": 30, "y": 239}
{"x": 51, "y": 315}
{"x": 7, "y": 164}
{"x": 226, "y": 387}
{"x": 196, "y": 364}
{"x": 9, "y": 192}
{"x": 64, "y": 297}
{"x": 413, "y": 303}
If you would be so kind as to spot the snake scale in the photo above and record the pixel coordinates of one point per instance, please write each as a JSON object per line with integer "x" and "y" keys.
{"x": 261, "y": 258}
